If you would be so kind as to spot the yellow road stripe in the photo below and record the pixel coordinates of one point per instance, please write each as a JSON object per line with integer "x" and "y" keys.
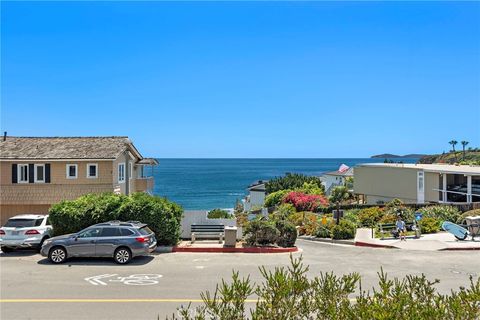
{"x": 100, "y": 300}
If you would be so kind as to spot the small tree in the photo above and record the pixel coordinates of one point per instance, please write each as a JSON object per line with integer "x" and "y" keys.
{"x": 464, "y": 144}
{"x": 453, "y": 143}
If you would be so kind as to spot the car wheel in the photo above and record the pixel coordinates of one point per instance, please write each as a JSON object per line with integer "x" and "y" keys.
{"x": 122, "y": 255}
{"x": 7, "y": 249}
{"x": 57, "y": 255}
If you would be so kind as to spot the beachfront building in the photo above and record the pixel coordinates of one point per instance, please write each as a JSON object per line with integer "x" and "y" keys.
{"x": 378, "y": 183}
{"x": 37, "y": 172}
{"x": 336, "y": 178}
{"x": 256, "y": 196}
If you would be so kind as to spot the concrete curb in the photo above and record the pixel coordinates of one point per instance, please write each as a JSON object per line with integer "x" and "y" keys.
{"x": 235, "y": 250}
{"x": 460, "y": 249}
{"x": 373, "y": 245}
{"x": 164, "y": 249}
{"x": 326, "y": 240}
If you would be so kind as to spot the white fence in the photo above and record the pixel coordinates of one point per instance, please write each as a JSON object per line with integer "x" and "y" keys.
{"x": 200, "y": 217}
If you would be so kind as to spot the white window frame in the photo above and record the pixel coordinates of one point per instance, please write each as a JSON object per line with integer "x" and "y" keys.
{"x": 131, "y": 171}
{"x": 19, "y": 173}
{"x": 88, "y": 170}
{"x": 121, "y": 179}
{"x": 68, "y": 171}
{"x": 36, "y": 172}
{"x": 420, "y": 187}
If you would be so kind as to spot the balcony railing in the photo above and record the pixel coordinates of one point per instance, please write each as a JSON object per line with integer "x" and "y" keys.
{"x": 144, "y": 184}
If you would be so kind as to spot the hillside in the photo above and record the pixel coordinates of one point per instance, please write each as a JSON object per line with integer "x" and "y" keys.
{"x": 471, "y": 157}
{"x": 394, "y": 156}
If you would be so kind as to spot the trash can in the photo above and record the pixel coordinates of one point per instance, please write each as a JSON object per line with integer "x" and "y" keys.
{"x": 230, "y": 236}
{"x": 473, "y": 225}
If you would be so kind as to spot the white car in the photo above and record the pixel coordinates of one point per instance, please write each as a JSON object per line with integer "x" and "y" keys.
{"x": 25, "y": 231}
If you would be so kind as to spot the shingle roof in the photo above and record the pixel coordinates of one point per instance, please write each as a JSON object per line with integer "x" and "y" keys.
{"x": 64, "y": 147}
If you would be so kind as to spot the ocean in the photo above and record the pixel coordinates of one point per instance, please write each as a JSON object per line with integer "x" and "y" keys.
{"x": 204, "y": 184}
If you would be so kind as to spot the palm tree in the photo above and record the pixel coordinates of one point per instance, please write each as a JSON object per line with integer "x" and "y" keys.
{"x": 464, "y": 144}
{"x": 453, "y": 143}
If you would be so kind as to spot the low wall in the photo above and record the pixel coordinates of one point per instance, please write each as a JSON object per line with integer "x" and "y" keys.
{"x": 200, "y": 217}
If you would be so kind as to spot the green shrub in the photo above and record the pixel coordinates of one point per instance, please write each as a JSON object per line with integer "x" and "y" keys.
{"x": 406, "y": 213}
{"x": 287, "y": 234}
{"x": 429, "y": 225}
{"x": 311, "y": 187}
{"x": 306, "y": 221}
{"x": 219, "y": 214}
{"x": 260, "y": 232}
{"x": 283, "y": 211}
{"x": 275, "y": 198}
{"x": 291, "y": 181}
{"x": 352, "y": 215}
{"x": 162, "y": 216}
{"x": 344, "y": 230}
{"x": 388, "y": 218}
{"x": 323, "y": 232}
{"x": 442, "y": 213}
{"x": 369, "y": 217}
{"x": 471, "y": 213}
{"x": 288, "y": 293}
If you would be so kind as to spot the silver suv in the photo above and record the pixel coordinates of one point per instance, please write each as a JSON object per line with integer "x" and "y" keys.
{"x": 25, "y": 231}
{"x": 120, "y": 240}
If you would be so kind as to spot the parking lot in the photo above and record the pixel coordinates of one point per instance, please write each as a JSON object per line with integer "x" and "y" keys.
{"x": 148, "y": 287}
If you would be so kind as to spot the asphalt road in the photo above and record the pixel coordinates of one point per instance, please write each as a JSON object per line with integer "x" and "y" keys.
{"x": 33, "y": 288}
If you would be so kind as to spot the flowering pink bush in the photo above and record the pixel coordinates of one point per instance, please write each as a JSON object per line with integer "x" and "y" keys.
{"x": 305, "y": 202}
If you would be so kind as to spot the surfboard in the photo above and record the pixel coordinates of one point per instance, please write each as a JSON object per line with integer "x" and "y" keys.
{"x": 459, "y": 232}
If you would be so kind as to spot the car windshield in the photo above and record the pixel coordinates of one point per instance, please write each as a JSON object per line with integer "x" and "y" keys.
{"x": 145, "y": 231}
{"x": 22, "y": 223}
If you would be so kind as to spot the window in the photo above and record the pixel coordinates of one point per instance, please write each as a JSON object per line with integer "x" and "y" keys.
{"x": 126, "y": 232}
{"x": 90, "y": 233}
{"x": 92, "y": 170}
{"x": 39, "y": 173}
{"x": 22, "y": 223}
{"x": 23, "y": 173}
{"x": 121, "y": 172}
{"x": 420, "y": 182}
{"x": 110, "y": 232}
{"x": 130, "y": 174}
{"x": 72, "y": 171}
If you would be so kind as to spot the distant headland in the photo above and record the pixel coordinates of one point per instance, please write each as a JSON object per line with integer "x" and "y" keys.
{"x": 394, "y": 156}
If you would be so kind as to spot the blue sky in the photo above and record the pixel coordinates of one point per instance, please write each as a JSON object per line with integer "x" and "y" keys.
{"x": 255, "y": 79}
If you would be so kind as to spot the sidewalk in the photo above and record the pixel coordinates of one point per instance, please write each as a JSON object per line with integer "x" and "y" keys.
{"x": 427, "y": 242}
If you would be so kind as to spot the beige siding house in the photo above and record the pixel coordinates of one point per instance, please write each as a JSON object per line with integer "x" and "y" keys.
{"x": 417, "y": 183}
{"x": 37, "y": 172}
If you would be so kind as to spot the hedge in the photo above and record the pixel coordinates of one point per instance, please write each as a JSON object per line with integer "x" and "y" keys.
{"x": 161, "y": 215}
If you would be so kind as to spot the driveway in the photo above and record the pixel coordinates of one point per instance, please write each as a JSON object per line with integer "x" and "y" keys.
{"x": 32, "y": 288}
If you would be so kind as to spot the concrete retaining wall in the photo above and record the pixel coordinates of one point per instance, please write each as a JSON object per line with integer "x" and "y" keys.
{"x": 200, "y": 217}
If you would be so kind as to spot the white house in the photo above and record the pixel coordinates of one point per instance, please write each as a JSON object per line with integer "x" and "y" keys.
{"x": 255, "y": 197}
{"x": 333, "y": 179}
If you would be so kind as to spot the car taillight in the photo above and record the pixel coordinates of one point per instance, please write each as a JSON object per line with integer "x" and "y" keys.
{"x": 141, "y": 239}
{"x": 2, "y": 233}
{"x": 32, "y": 232}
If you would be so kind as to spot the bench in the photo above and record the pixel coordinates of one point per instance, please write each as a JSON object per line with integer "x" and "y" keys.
{"x": 384, "y": 227}
{"x": 208, "y": 230}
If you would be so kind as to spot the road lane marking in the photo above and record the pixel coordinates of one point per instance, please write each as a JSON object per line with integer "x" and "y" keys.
{"x": 143, "y": 279}
{"x": 95, "y": 280}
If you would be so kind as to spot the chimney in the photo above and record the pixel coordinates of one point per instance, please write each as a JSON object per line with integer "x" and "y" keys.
{"x": 4, "y": 135}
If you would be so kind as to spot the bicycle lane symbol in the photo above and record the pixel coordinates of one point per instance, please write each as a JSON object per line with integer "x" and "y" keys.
{"x": 132, "y": 280}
